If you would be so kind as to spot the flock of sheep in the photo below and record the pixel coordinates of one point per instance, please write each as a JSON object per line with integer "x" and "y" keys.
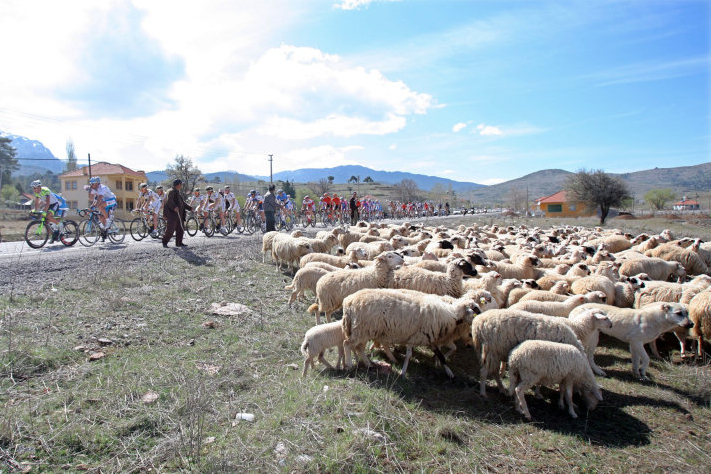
{"x": 528, "y": 299}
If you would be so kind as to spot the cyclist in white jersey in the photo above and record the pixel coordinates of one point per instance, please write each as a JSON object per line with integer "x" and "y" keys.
{"x": 104, "y": 199}
{"x": 232, "y": 204}
{"x": 146, "y": 200}
{"x": 217, "y": 204}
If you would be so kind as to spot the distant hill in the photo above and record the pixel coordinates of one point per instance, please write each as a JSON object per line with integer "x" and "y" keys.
{"x": 342, "y": 174}
{"x": 41, "y": 159}
{"x": 682, "y": 179}
{"x": 539, "y": 184}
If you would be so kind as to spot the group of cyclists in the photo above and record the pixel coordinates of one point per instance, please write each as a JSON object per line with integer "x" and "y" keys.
{"x": 400, "y": 209}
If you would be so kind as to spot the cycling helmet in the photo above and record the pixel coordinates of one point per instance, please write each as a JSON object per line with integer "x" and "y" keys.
{"x": 209, "y": 188}
{"x": 95, "y": 180}
{"x": 280, "y": 191}
{"x": 306, "y": 197}
{"x": 36, "y": 183}
{"x": 159, "y": 187}
{"x": 196, "y": 190}
{"x": 220, "y": 190}
{"x": 143, "y": 185}
{"x": 227, "y": 187}
{"x": 325, "y": 194}
{"x": 254, "y": 191}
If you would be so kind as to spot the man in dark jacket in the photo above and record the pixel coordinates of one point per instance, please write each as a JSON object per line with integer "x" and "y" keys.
{"x": 270, "y": 207}
{"x": 174, "y": 214}
{"x": 354, "y": 208}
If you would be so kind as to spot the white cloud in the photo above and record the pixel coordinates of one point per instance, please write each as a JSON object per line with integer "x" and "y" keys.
{"x": 492, "y": 181}
{"x": 393, "y": 146}
{"x": 458, "y": 127}
{"x": 357, "y": 4}
{"x": 488, "y": 130}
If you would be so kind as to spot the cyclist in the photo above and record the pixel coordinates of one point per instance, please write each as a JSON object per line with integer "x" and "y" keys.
{"x": 336, "y": 205}
{"x": 282, "y": 200}
{"x": 216, "y": 203}
{"x": 198, "y": 202}
{"x": 146, "y": 197}
{"x": 47, "y": 203}
{"x": 231, "y": 204}
{"x": 103, "y": 198}
{"x": 256, "y": 202}
{"x": 307, "y": 206}
{"x": 289, "y": 205}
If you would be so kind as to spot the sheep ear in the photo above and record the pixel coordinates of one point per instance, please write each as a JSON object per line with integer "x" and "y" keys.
{"x": 666, "y": 307}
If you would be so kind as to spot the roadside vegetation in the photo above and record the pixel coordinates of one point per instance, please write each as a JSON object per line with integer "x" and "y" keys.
{"x": 113, "y": 361}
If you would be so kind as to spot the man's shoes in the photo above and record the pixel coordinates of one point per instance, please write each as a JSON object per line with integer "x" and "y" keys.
{"x": 165, "y": 246}
{"x": 181, "y": 245}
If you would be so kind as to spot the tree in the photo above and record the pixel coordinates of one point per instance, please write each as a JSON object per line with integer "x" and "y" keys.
{"x": 368, "y": 179}
{"x": 657, "y": 198}
{"x": 71, "y": 157}
{"x": 287, "y": 187}
{"x": 407, "y": 190}
{"x": 516, "y": 198}
{"x": 183, "y": 169}
{"x": 330, "y": 179}
{"x": 354, "y": 179}
{"x": 8, "y": 163}
{"x": 9, "y": 193}
{"x": 319, "y": 187}
{"x": 597, "y": 189}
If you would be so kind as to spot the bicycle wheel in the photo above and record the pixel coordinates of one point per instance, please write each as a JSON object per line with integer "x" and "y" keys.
{"x": 228, "y": 224}
{"x": 70, "y": 234}
{"x": 117, "y": 231}
{"x": 208, "y": 227}
{"x": 160, "y": 231}
{"x": 191, "y": 226}
{"x": 238, "y": 226}
{"x": 89, "y": 232}
{"x": 138, "y": 229}
{"x": 36, "y": 234}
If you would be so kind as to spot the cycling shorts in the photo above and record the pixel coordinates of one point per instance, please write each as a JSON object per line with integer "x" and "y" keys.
{"x": 110, "y": 203}
{"x": 54, "y": 209}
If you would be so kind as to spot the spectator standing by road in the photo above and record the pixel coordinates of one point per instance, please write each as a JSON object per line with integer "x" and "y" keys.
{"x": 354, "y": 208}
{"x": 270, "y": 206}
{"x": 174, "y": 214}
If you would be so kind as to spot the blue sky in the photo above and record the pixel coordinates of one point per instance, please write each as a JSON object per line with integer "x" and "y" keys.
{"x": 480, "y": 91}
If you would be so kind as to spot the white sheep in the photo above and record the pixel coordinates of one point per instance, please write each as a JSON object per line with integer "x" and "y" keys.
{"x": 268, "y": 239}
{"x": 317, "y": 340}
{"x": 691, "y": 260}
{"x": 586, "y": 325}
{"x": 331, "y": 289}
{"x": 656, "y": 268}
{"x": 560, "y": 309}
{"x": 700, "y": 316}
{"x": 289, "y": 251}
{"x": 625, "y": 290}
{"x": 305, "y": 279}
{"x": 404, "y": 317}
{"x": 524, "y": 268}
{"x": 638, "y": 327}
{"x": 595, "y": 283}
{"x": 335, "y": 260}
{"x": 450, "y": 283}
{"x": 322, "y": 245}
{"x": 372, "y": 249}
{"x": 497, "y": 331}
{"x": 547, "y": 363}
{"x": 559, "y": 292}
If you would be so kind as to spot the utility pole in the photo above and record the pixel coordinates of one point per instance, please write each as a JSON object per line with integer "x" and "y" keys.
{"x": 89, "y": 165}
{"x": 526, "y": 200}
{"x": 271, "y": 159}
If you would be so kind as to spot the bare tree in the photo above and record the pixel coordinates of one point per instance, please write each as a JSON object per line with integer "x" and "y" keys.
{"x": 516, "y": 198}
{"x": 597, "y": 189}
{"x": 184, "y": 170}
{"x": 407, "y": 190}
{"x": 71, "y": 156}
{"x": 319, "y": 187}
{"x": 657, "y": 198}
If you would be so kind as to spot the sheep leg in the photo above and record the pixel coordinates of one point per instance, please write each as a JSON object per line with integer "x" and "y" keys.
{"x": 441, "y": 358}
{"x": 324, "y": 361}
{"x": 339, "y": 362}
{"x": 653, "y": 349}
{"x": 293, "y": 296}
{"x": 452, "y": 347}
{"x": 640, "y": 359}
{"x": 681, "y": 334}
{"x": 347, "y": 349}
{"x": 537, "y": 392}
{"x": 361, "y": 354}
{"x": 590, "y": 350}
{"x": 499, "y": 383}
{"x": 569, "y": 398}
{"x": 482, "y": 380}
{"x": 521, "y": 397}
{"x": 408, "y": 354}
{"x": 306, "y": 365}
{"x": 388, "y": 354}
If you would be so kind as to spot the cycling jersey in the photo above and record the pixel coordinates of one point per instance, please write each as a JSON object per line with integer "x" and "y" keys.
{"x": 308, "y": 204}
{"x": 325, "y": 202}
{"x": 44, "y": 192}
{"x": 197, "y": 201}
{"x": 218, "y": 201}
{"x": 336, "y": 201}
{"x": 289, "y": 204}
{"x": 230, "y": 200}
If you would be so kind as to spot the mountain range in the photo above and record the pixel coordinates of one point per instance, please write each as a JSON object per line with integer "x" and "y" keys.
{"x": 33, "y": 156}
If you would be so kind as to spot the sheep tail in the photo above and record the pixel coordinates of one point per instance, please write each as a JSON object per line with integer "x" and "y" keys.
{"x": 304, "y": 347}
{"x": 313, "y": 308}
{"x": 289, "y": 287}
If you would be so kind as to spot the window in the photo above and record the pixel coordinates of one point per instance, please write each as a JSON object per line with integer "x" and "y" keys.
{"x": 74, "y": 204}
{"x": 119, "y": 203}
{"x": 67, "y": 185}
{"x": 74, "y": 185}
{"x": 555, "y": 208}
{"x": 118, "y": 185}
{"x": 129, "y": 185}
{"x": 129, "y": 204}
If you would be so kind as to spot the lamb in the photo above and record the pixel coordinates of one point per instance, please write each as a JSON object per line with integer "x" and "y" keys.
{"x": 372, "y": 249}
{"x": 289, "y": 251}
{"x": 586, "y": 325}
{"x": 335, "y": 260}
{"x": 547, "y": 363}
{"x": 692, "y": 262}
{"x": 305, "y": 279}
{"x": 670, "y": 292}
{"x": 404, "y": 317}
{"x": 331, "y": 289}
{"x": 559, "y": 292}
{"x": 490, "y": 283}
{"x": 595, "y": 283}
{"x": 638, "y": 327}
{"x": 425, "y": 281}
{"x": 559, "y": 308}
{"x": 317, "y": 340}
{"x": 656, "y": 268}
{"x": 498, "y": 331}
{"x": 524, "y": 268}
{"x": 700, "y": 316}
{"x": 323, "y": 245}
{"x": 328, "y": 267}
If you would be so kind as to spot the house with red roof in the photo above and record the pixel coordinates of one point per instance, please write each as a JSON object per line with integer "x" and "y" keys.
{"x": 123, "y": 181}
{"x": 560, "y": 205}
{"x": 686, "y": 205}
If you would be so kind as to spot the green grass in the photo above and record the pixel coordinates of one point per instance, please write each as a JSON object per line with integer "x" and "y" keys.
{"x": 61, "y": 412}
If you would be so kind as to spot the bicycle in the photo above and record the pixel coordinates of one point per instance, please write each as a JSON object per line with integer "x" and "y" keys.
{"x": 192, "y": 224}
{"x": 327, "y": 218}
{"x": 38, "y": 231}
{"x": 140, "y": 227}
{"x": 285, "y": 221}
{"x": 307, "y": 219}
{"x": 90, "y": 229}
{"x": 253, "y": 221}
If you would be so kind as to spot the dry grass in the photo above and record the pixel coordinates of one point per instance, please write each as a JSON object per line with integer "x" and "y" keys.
{"x": 59, "y": 411}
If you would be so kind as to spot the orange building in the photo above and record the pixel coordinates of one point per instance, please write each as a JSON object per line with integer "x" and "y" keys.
{"x": 558, "y": 205}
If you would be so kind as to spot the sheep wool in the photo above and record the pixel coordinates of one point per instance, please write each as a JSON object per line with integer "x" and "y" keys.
{"x": 317, "y": 340}
{"x": 425, "y": 281}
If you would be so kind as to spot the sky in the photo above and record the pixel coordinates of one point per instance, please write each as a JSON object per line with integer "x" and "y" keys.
{"x": 480, "y": 91}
